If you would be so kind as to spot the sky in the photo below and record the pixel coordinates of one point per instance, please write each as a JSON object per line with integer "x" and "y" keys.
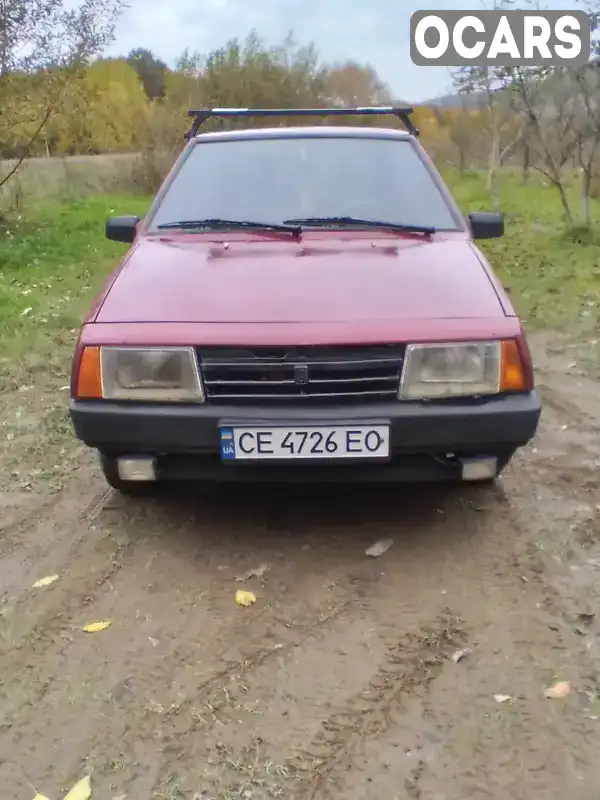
{"x": 369, "y": 31}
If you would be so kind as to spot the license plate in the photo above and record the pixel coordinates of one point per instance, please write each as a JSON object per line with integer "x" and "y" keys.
{"x": 304, "y": 442}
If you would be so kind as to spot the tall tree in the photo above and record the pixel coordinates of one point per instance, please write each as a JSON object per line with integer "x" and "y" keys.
{"x": 151, "y": 71}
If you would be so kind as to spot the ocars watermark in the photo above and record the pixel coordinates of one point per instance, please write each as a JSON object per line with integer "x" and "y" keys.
{"x": 500, "y": 38}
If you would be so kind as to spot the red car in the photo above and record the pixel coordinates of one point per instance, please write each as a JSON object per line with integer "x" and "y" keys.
{"x": 303, "y": 303}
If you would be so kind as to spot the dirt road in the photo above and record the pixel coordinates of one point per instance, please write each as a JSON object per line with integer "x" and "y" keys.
{"x": 340, "y": 681}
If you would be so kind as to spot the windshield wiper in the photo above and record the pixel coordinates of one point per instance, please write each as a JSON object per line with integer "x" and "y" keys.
{"x": 323, "y": 222}
{"x": 217, "y": 223}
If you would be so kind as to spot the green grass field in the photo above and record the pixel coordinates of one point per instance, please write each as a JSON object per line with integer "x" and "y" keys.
{"x": 51, "y": 264}
{"x": 553, "y": 276}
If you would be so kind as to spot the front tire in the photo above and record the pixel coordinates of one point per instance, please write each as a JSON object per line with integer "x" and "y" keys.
{"x": 110, "y": 470}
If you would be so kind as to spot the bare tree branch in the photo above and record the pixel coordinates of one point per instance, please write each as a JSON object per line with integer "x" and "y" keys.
{"x": 46, "y": 43}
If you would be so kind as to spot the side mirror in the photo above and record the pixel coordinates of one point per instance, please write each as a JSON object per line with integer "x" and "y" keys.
{"x": 486, "y": 224}
{"x": 122, "y": 229}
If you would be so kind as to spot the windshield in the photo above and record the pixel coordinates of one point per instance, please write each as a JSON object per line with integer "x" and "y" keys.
{"x": 270, "y": 180}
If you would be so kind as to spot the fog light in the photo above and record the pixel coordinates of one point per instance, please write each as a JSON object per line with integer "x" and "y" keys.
{"x": 478, "y": 469}
{"x": 140, "y": 468}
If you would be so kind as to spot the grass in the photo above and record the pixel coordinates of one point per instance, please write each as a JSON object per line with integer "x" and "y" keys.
{"x": 553, "y": 276}
{"x": 73, "y": 176}
{"x": 50, "y": 267}
{"x": 55, "y": 258}
{"x": 51, "y": 264}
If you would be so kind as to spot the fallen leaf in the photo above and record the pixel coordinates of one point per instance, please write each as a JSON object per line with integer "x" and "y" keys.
{"x": 45, "y": 581}
{"x": 502, "y": 698}
{"x": 40, "y": 797}
{"x": 81, "y": 791}
{"x": 379, "y": 548}
{"x": 460, "y": 654}
{"x": 243, "y": 598}
{"x": 94, "y": 627}
{"x": 558, "y": 690}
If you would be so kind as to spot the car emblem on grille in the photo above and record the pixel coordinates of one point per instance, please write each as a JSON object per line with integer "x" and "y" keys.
{"x": 301, "y": 374}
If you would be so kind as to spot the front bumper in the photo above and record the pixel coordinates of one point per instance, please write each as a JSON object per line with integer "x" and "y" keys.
{"x": 185, "y": 438}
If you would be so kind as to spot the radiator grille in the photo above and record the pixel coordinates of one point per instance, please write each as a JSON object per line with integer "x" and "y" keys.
{"x": 302, "y": 374}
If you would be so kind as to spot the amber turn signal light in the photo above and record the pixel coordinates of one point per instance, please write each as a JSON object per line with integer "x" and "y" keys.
{"x": 89, "y": 378}
{"x": 512, "y": 376}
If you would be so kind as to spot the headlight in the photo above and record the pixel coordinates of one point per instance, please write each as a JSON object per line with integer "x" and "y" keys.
{"x": 451, "y": 370}
{"x": 168, "y": 374}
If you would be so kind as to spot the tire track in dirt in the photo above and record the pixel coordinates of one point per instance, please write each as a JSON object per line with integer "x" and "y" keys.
{"x": 38, "y": 639}
{"x": 72, "y": 659}
{"x": 485, "y": 575}
{"x": 320, "y": 664}
{"x": 407, "y": 670}
{"x": 134, "y": 586}
{"x": 567, "y": 448}
{"x": 455, "y": 741}
{"x": 40, "y": 532}
{"x": 567, "y": 512}
{"x": 528, "y": 747}
{"x": 226, "y": 696}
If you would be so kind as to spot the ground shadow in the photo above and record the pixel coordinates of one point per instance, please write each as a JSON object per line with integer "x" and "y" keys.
{"x": 287, "y": 518}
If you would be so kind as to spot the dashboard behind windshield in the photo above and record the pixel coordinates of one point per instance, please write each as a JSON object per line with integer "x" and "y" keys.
{"x": 273, "y": 179}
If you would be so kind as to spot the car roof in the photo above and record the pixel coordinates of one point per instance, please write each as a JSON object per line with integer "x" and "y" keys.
{"x": 307, "y": 131}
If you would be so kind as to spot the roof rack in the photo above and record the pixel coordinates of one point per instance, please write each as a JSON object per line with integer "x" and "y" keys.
{"x": 201, "y": 115}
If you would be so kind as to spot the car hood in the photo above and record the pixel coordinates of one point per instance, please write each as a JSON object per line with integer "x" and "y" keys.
{"x": 264, "y": 281}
